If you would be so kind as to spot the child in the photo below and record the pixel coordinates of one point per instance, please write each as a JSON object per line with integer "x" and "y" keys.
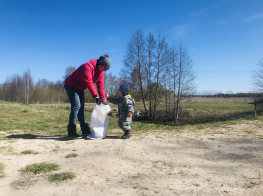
{"x": 125, "y": 109}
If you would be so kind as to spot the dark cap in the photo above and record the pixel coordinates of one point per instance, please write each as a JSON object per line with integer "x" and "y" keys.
{"x": 104, "y": 61}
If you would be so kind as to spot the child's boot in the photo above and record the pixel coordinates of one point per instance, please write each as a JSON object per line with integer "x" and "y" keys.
{"x": 72, "y": 131}
{"x": 85, "y": 129}
{"x": 126, "y": 135}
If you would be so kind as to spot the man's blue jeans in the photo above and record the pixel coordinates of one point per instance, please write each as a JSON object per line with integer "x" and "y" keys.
{"x": 77, "y": 101}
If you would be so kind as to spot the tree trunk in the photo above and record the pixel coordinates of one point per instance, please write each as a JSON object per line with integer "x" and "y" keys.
{"x": 143, "y": 99}
{"x": 179, "y": 88}
{"x": 156, "y": 91}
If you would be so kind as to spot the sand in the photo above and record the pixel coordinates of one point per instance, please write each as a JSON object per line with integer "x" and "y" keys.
{"x": 226, "y": 160}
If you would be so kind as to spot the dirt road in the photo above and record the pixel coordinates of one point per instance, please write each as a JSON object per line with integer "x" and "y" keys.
{"x": 212, "y": 161}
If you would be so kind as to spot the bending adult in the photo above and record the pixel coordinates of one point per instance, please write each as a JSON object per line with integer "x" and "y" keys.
{"x": 84, "y": 78}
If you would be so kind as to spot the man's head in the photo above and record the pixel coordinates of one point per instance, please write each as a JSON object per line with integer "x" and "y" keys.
{"x": 124, "y": 90}
{"x": 105, "y": 62}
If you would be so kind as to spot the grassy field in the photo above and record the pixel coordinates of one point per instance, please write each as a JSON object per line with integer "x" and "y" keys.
{"x": 52, "y": 119}
{"x": 218, "y": 153}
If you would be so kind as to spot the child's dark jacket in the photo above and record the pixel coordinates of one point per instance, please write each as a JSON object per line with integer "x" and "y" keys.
{"x": 125, "y": 106}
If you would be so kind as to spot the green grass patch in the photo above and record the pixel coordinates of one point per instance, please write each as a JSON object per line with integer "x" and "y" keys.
{"x": 200, "y": 127}
{"x": 44, "y": 167}
{"x": 29, "y": 152}
{"x": 72, "y": 155}
{"x": 19, "y": 120}
{"x": 217, "y": 107}
{"x": 61, "y": 177}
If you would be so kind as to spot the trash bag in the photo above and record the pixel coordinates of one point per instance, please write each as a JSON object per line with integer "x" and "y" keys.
{"x": 99, "y": 121}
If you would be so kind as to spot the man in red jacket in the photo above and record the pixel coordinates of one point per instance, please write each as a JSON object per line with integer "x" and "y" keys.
{"x": 84, "y": 78}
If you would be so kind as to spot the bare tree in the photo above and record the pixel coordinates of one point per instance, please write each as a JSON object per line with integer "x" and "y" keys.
{"x": 168, "y": 81}
{"x": 13, "y": 88}
{"x": 150, "y": 49}
{"x": 17, "y": 88}
{"x": 43, "y": 83}
{"x": 185, "y": 76}
{"x": 257, "y": 77}
{"x": 59, "y": 88}
{"x": 134, "y": 62}
{"x": 162, "y": 61}
{"x": 68, "y": 71}
{"x": 112, "y": 84}
{"x": 174, "y": 72}
{"x": 27, "y": 85}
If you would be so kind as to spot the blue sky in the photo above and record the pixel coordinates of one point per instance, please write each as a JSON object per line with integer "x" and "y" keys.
{"x": 224, "y": 37}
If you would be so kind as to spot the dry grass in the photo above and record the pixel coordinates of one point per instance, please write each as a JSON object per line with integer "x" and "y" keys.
{"x": 2, "y": 174}
{"x": 29, "y": 152}
{"x": 72, "y": 155}
{"x": 61, "y": 177}
{"x": 25, "y": 181}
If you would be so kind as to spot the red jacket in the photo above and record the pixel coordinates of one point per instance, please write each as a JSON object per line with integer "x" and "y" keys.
{"x": 85, "y": 76}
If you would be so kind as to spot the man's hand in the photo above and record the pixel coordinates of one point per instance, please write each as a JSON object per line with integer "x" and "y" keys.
{"x": 129, "y": 114}
{"x": 98, "y": 100}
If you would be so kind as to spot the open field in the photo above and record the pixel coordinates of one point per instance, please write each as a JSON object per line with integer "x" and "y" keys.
{"x": 220, "y": 99}
{"x": 219, "y": 158}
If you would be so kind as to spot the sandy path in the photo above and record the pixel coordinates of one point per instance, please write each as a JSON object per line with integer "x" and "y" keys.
{"x": 224, "y": 161}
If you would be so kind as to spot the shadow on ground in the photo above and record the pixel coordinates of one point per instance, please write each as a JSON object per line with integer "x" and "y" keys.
{"x": 56, "y": 137}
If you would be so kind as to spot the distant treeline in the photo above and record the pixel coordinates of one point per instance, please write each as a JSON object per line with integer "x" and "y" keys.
{"x": 22, "y": 89}
{"x": 234, "y": 95}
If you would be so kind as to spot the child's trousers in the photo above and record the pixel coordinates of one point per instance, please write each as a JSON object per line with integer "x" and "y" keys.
{"x": 125, "y": 125}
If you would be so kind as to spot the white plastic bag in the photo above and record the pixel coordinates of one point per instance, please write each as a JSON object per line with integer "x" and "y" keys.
{"x": 99, "y": 122}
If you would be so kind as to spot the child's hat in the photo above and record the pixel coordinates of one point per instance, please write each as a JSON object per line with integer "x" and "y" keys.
{"x": 124, "y": 89}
